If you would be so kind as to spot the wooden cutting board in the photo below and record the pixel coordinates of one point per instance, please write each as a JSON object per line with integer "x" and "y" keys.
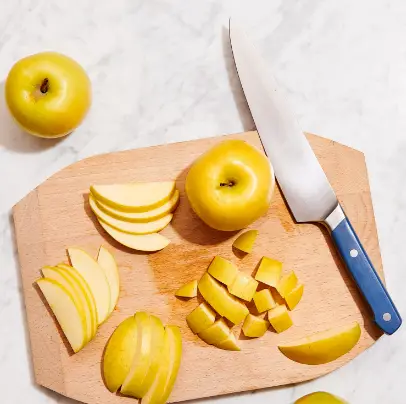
{"x": 56, "y": 215}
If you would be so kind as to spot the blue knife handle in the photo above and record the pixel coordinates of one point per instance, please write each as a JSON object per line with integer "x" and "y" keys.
{"x": 356, "y": 259}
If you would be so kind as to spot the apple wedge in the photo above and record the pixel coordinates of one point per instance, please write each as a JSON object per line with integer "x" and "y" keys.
{"x": 221, "y": 301}
{"x": 286, "y": 284}
{"x": 130, "y": 227}
{"x": 269, "y": 271}
{"x": 107, "y": 262}
{"x": 140, "y": 242}
{"x": 254, "y": 327}
{"x": 245, "y": 241}
{"x": 148, "y": 216}
{"x": 134, "y": 197}
{"x": 119, "y": 354}
{"x": 96, "y": 279}
{"x": 189, "y": 290}
{"x": 164, "y": 381}
{"x": 200, "y": 318}
{"x": 323, "y": 347}
{"x": 58, "y": 275}
{"x": 223, "y": 270}
{"x": 67, "y": 312}
{"x": 229, "y": 344}
{"x": 244, "y": 287}
{"x": 86, "y": 289}
{"x": 294, "y": 296}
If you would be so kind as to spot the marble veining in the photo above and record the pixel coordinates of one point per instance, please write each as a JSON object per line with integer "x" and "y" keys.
{"x": 162, "y": 72}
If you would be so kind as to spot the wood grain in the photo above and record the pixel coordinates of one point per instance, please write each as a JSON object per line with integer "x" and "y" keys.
{"x": 56, "y": 215}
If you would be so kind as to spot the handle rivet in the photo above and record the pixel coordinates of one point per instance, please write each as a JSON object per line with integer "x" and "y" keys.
{"x": 354, "y": 253}
{"x": 386, "y": 317}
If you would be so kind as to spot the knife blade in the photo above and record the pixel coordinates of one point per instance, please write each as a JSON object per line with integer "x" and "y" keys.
{"x": 302, "y": 180}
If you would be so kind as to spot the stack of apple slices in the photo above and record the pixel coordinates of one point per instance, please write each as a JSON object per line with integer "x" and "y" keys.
{"x": 81, "y": 295}
{"x": 134, "y": 213}
{"x": 142, "y": 359}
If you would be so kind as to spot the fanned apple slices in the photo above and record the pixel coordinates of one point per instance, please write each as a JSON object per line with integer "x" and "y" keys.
{"x": 134, "y": 213}
{"x": 81, "y": 296}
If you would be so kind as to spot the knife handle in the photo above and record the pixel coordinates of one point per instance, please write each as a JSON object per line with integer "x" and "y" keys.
{"x": 359, "y": 265}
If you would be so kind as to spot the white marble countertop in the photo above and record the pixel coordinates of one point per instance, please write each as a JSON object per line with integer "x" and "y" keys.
{"x": 161, "y": 72}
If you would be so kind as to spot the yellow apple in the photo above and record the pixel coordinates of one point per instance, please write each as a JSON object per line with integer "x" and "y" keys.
{"x": 223, "y": 270}
{"x": 69, "y": 283}
{"x": 134, "y": 197}
{"x": 320, "y": 397}
{"x": 67, "y": 312}
{"x": 119, "y": 354}
{"x": 231, "y": 185}
{"x": 229, "y": 344}
{"x": 216, "y": 333}
{"x": 286, "y": 284}
{"x": 148, "y": 216}
{"x": 245, "y": 241}
{"x": 323, "y": 347}
{"x": 107, "y": 262}
{"x": 189, "y": 290}
{"x": 244, "y": 286}
{"x": 264, "y": 300}
{"x": 141, "y": 242}
{"x": 202, "y": 317}
{"x": 86, "y": 289}
{"x": 48, "y": 94}
{"x": 254, "y": 326}
{"x": 130, "y": 227}
{"x": 222, "y": 302}
{"x": 96, "y": 279}
{"x": 269, "y": 271}
{"x": 279, "y": 318}
{"x": 293, "y": 298}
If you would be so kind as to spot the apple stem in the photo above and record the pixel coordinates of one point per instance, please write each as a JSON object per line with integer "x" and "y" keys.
{"x": 44, "y": 86}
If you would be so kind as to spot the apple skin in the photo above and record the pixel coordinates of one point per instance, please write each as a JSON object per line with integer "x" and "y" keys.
{"x": 231, "y": 185}
{"x": 320, "y": 397}
{"x": 48, "y": 94}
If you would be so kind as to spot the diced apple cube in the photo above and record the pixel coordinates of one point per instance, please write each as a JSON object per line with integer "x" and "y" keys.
{"x": 279, "y": 318}
{"x": 244, "y": 287}
{"x": 245, "y": 241}
{"x": 223, "y": 270}
{"x": 264, "y": 300}
{"x": 202, "y": 317}
{"x": 216, "y": 333}
{"x": 287, "y": 283}
{"x": 269, "y": 271}
{"x": 229, "y": 344}
{"x": 294, "y": 297}
{"x": 254, "y": 326}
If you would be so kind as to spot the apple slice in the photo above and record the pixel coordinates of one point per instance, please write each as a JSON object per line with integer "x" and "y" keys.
{"x": 96, "y": 279}
{"x": 189, "y": 290}
{"x": 254, "y": 326}
{"x": 200, "y": 318}
{"x": 216, "y": 333}
{"x": 245, "y": 241}
{"x": 134, "y": 197}
{"x": 119, "y": 354}
{"x": 86, "y": 289}
{"x": 223, "y": 270}
{"x": 293, "y": 298}
{"x": 269, "y": 271}
{"x": 107, "y": 262}
{"x": 221, "y": 301}
{"x": 286, "y": 284}
{"x": 264, "y": 300}
{"x": 130, "y": 227}
{"x": 229, "y": 344}
{"x": 148, "y": 216}
{"x": 166, "y": 376}
{"x": 67, "y": 312}
{"x": 140, "y": 242}
{"x": 244, "y": 287}
{"x": 279, "y": 318}
{"x": 58, "y": 275}
{"x": 323, "y": 347}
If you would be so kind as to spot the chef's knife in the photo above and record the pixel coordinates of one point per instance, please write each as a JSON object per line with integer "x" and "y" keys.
{"x": 300, "y": 176}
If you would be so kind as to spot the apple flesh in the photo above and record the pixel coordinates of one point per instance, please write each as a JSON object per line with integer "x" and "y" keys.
{"x": 279, "y": 318}
{"x": 320, "y": 397}
{"x": 134, "y": 197}
{"x": 269, "y": 271}
{"x": 286, "y": 284}
{"x": 202, "y": 317}
{"x": 244, "y": 287}
{"x": 245, "y": 241}
{"x": 223, "y": 270}
{"x": 323, "y": 347}
{"x": 189, "y": 290}
{"x": 48, "y": 94}
{"x": 231, "y": 185}
{"x": 216, "y": 333}
{"x": 229, "y": 344}
{"x": 293, "y": 298}
{"x": 264, "y": 300}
